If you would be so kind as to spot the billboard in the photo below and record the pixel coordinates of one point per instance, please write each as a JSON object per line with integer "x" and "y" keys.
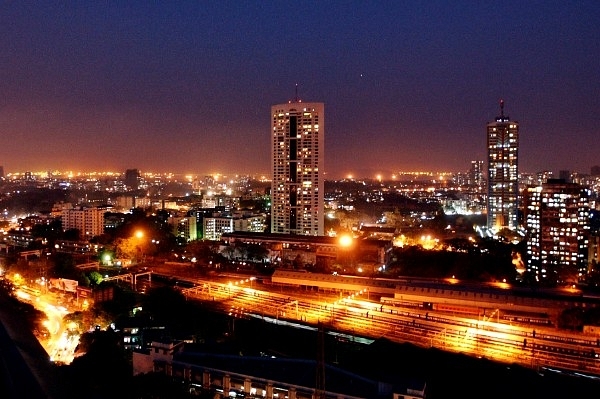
{"x": 63, "y": 284}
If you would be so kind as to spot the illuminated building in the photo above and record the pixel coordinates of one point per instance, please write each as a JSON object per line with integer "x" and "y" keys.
{"x": 297, "y": 188}
{"x": 214, "y": 227}
{"x": 89, "y": 221}
{"x": 503, "y": 181}
{"x": 184, "y": 227}
{"x": 558, "y": 227}
{"x": 475, "y": 176}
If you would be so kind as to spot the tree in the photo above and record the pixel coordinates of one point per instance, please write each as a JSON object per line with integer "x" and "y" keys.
{"x": 64, "y": 266}
{"x": 204, "y": 250}
{"x": 95, "y": 278}
{"x": 127, "y": 248}
{"x": 104, "y": 360}
{"x": 165, "y": 304}
{"x": 298, "y": 262}
{"x": 72, "y": 235}
{"x": 229, "y": 251}
{"x": 257, "y": 252}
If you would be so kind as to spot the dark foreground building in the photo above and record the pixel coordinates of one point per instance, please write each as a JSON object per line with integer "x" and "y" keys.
{"x": 267, "y": 376}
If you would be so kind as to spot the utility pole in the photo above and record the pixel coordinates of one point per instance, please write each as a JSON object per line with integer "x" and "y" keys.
{"x": 320, "y": 377}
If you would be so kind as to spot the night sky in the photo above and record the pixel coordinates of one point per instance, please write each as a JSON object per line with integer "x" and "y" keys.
{"x": 186, "y": 87}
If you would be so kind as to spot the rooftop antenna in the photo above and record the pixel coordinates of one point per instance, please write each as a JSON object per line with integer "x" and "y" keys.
{"x": 502, "y": 108}
{"x": 297, "y": 99}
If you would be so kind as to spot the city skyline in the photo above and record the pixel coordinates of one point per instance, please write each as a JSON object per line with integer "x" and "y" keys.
{"x": 186, "y": 87}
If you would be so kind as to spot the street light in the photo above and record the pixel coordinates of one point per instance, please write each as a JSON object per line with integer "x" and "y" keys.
{"x": 346, "y": 242}
{"x": 139, "y": 235}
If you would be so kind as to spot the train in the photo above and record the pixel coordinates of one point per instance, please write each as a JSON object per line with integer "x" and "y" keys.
{"x": 472, "y": 311}
{"x": 438, "y": 307}
{"x": 541, "y": 320}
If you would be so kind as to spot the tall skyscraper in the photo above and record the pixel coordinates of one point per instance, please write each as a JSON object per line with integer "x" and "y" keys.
{"x": 503, "y": 176}
{"x": 297, "y": 188}
{"x": 558, "y": 227}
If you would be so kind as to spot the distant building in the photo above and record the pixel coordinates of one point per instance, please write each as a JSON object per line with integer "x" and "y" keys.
{"x": 215, "y": 201}
{"x": 127, "y": 202}
{"x": 297, "y": 150}
{"x": 21, "y": 239}
{"x": 76, "y": 247}
{"x": 89, "y": 221}
{"x": 565, "y": 175}
{"x": 321, "y": 251}
{"x": 112, "y": 220}
{"x": 200, "y": 214}
{"x": 184, "y": 227}
{"x": 594, "y": 254}
{"x": 503, "y": 173}
{"x": 139, "y": 333}
{"x": 215, "y": 227}
{"x": 254, "y": 223}
{"x": 475, "y": 177}
{"x": 558, "y": 228}
{"x": 218, "y": 224}
{"x": 543, "y": 176}
{"x": 132, "y": 179}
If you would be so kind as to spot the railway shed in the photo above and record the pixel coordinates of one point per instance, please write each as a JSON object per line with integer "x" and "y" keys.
{"x": 506, "y": 299}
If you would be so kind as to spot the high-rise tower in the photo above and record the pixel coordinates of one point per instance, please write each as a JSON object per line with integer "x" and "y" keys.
{"x": 558, "y": 226}
{"x": 503, "y": 176}
{"x": 297, "y": 139}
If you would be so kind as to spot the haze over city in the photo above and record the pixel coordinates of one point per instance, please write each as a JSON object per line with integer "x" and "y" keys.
{"x": 187, "y": 87}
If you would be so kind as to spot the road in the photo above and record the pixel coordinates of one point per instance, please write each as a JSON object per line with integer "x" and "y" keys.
{"x": 61, "y": 344}
{"x": 25, "y": 368}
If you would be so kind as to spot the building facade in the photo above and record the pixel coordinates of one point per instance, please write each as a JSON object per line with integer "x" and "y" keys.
{"x": 503, "y": 175}
{"x": 476, "y": 177}
{"x": 89, "y": 221}
{"x": 132, "y": 179}
{"x": 558, "y": 226}
{"x": 297, "y": 143}
{"x": 184, "y": 228}
{"x": 214, "y": 227}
